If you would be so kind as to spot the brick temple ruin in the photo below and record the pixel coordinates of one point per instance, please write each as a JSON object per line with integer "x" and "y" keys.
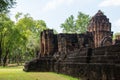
{"x": 91, "y": 56}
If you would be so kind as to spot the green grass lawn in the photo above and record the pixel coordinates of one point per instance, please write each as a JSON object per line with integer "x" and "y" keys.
{"x": 16, "y": 73}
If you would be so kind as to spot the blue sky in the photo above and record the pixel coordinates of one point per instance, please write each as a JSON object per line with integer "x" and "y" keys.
{"x": 55, "y": 12}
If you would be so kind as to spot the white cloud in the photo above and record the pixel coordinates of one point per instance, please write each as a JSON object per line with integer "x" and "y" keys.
{"x": 53, "y": 4}
{"x": 107, "y": 3}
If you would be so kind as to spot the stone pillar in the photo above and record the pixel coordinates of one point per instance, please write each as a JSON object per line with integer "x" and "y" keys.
{"x": 50, "y": 42}
{"x": 47, "y": 42}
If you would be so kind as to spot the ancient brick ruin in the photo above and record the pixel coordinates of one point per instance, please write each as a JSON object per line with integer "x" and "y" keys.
{"x": 90, "y": 56}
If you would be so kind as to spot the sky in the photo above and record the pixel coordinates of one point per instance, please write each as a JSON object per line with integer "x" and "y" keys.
{"x": 55, "y": 12}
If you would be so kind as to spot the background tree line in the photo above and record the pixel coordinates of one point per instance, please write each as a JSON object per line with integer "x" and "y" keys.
{"x": 79, "y": 25}
{"x": 19, "y": 41}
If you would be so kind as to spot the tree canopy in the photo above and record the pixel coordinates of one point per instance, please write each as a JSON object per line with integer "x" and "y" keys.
{"x": 19, "y": 41}
{"x": 5, "y": 5}
{"x": 76, "y": 26}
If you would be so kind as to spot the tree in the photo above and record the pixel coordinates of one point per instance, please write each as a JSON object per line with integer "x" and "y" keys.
{"x": 5, "y": 23}
{"x": 115, "y": 34}
{"x": 76, "y": 26}
{"x": 5, "y": 31}
{"x": 5, "y": 5}
{"x": 17, "y": 16}
{"x": 82, "y": 22}
{"x": 30, "y": 30}
{"x": 69, "y": 25}
{"x": 19, "y": 41}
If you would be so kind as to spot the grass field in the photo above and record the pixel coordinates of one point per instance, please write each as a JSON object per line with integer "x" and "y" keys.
{"x": 16, "y": 73}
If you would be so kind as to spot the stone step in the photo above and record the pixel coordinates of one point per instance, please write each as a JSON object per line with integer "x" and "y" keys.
{"x": 105, "y": 59}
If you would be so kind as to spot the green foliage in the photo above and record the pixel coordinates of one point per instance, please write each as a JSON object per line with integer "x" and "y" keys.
{"x": 5, "y": 5}
{"x": 76, "y": 26}
{"x": 82, "y": 22}
{"x": 6, "y": 28}
{"x": 55, "y": 32}
{"x": 69, "y": 25}
{"x": 29, "y": 33}
{"x": 17, "y": 16}
{"x": 20, "y": 39}
{"x": 115, "y": 34}
{"x": 18, "y": 74}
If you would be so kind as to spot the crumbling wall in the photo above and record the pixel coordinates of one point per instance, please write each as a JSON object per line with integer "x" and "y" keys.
{"x": 48, "y": 43}
{"x": 102, "y": 63}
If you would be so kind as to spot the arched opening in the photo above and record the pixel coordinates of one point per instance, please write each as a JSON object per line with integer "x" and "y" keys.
{"x": 106, "y": 41}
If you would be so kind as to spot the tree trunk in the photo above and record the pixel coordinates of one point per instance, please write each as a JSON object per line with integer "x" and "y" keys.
{"x": 0, "y": 55}
{"x": 1, "y": 49}
{"x": 0, "y": 58}
{"x": 5, "y": 58}
{"x": 17, "y": 61}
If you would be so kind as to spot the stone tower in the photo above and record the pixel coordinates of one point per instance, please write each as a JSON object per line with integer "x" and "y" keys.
{"x": 101, "y": 29}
